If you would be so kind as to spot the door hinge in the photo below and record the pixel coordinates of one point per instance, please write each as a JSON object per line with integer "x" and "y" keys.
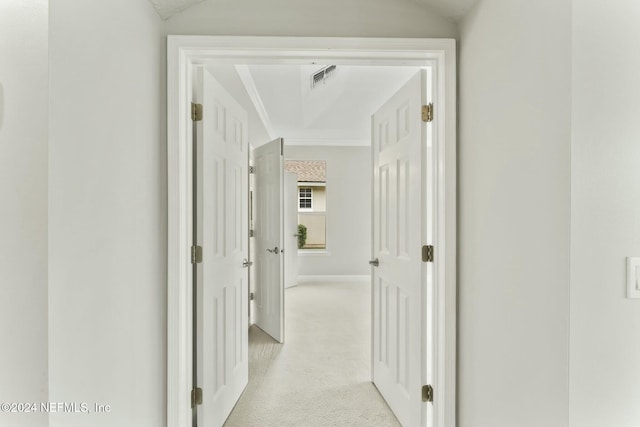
{"x": 427, "y": 112}
{"x": 251, "y": 296}
{"x": 427, "y": 253}
{"x": 196, "y": 112}
{"x": 196, "y": 254}
{"x": 196, "y": 397}
{"x": 427, "y": 393}
{"x": 252, "y": 169}
{"x": 252, "y": 233}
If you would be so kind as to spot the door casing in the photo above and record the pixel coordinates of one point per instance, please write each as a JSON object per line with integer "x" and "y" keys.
{"x": 183, "y": 52}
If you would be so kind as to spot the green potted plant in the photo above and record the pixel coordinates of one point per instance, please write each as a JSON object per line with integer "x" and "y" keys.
{"x": 302, "y": 235}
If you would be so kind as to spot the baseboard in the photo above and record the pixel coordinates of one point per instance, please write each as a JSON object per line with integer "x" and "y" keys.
{"x": 327, "y": 278}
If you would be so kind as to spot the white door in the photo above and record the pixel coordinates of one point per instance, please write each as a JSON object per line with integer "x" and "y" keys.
{"x": 291, "y": 229}
{"x": 222, "y": 230}
{"x": 269, "y": 238}
{"x": 399, "y": 150}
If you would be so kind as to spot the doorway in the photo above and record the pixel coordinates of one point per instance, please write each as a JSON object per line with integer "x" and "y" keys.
{"x": 438, "y": 341}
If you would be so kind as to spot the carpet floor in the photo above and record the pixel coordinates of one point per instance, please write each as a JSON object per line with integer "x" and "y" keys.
{"x": 321, "y": 375}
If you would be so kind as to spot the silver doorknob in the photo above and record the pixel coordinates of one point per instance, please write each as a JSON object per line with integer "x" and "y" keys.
{"x": 374, "y": 262}
{"x": 246, "y": 263}
{"x": 274, "y": 250}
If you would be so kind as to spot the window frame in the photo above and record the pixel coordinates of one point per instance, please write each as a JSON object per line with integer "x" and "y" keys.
{"x": 300, "y": 199}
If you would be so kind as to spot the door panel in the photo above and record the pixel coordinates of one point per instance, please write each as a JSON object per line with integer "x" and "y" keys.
{"x": 397, "y": 149}
{"x": 291, "y": 229}
{"x": 221, "y": 195}
{"x": 269, "y": 238}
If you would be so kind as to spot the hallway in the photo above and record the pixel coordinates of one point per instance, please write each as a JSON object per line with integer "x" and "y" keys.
{"x": 321, "y": 375}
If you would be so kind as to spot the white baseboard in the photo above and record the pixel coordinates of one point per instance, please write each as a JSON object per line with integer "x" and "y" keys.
{"x": 327, "y": 278}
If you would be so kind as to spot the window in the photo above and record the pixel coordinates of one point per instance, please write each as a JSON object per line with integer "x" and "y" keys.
{"x": 305, "y": 198}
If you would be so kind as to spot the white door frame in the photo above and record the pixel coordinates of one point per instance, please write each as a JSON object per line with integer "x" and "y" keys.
{"x": 183, "y": 52}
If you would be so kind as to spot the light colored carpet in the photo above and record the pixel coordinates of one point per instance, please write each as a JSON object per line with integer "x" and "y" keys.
{"x": 321, "y": 376}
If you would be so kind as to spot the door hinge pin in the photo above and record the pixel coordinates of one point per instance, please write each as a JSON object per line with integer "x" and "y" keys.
{"x": 427, "y": 393}
{"x": 196, "y": 112}
{"x": 427, "y": 112}
{"x": 196, "y": 396}
{"x": 196, "y": 254}
{"x": 427, "y": 253}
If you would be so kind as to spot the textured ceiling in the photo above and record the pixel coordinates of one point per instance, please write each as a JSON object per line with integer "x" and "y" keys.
{"x": 451, "y": 9}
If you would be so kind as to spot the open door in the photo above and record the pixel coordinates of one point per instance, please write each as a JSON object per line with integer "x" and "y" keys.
{"x": 221, "y": 229}
{"x": 291, "y": 229}
{"x": 399, "y": 141}
{"x": 269, "y": 238}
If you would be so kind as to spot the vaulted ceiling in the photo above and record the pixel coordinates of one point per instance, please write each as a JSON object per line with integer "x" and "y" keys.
{"x": 451, "y": 9}
{"x": 281, "y": 101}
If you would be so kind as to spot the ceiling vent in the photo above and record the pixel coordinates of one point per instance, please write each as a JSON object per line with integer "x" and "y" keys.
{"x": 321, "y": 76}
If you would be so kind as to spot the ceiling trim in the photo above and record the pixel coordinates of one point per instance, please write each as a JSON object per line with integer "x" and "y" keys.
{"x": 254, "y": 95}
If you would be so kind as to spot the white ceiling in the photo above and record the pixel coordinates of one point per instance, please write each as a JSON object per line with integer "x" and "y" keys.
{"x": 451, "y": 9}
{"x": 168, "y": 8}
{"x": 281, "y": 103}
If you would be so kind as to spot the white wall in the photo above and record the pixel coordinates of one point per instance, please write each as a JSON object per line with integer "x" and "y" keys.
{"x": 514, "y": 213}
{"x": 107, "y": 222}
{"x": 348, "y": 210}
{"x": 361, "y": 18}
{"x": 23, "y": 207}
{"x": 605, "y": 219}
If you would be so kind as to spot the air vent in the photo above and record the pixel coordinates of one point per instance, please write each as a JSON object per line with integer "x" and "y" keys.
{"x": 321, "y": 76}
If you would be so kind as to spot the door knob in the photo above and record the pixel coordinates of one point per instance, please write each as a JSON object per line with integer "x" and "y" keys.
{"x": 274, "y": 250}
{"x": 246, "y": 263}
{"x": 374, "y": 262}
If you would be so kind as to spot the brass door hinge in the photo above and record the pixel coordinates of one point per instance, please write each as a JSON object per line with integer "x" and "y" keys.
{"x": 196, "y": 112}
{"x": 196, "y": 254}
{"x": 427, "y": 112}
{"x": 427, "y": 253}
{"x": 196, "y": 397}
{"x": 427, "y": 393}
